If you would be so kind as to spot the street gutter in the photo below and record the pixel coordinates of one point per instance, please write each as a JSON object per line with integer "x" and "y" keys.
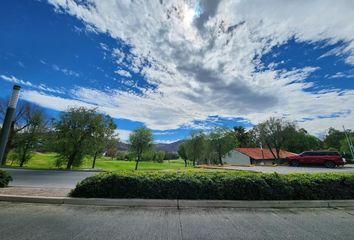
{"x": 176, "y": 203}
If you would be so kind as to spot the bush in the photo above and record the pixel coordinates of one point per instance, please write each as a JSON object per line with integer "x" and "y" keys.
{"x": 217, "y": 185}
{"x": 5, "y": 178}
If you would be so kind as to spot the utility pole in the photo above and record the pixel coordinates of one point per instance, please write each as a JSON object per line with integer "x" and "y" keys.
{"x": 350, "y": 144}
{"x": 8, "y": 121}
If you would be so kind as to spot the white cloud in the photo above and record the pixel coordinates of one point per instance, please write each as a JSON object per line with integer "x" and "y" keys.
{"x": 40, "y": 86}
{"x": 123, "y": 134}
{"x": 166, "y": 141}
{"x": 205, "y": 64}
{"x": 123, "y": 73}
{"x": 66, "y": 71}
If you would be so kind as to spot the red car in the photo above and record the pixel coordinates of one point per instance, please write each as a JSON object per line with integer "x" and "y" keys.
{"x": 330, "y": 159}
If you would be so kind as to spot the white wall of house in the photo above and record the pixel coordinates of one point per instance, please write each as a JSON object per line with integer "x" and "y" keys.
{"x": 235, "y": 157}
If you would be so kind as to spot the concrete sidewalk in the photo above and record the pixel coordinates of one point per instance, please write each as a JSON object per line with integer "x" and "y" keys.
{"x": 26, "y": 221}
{"x": 35, "y": 191}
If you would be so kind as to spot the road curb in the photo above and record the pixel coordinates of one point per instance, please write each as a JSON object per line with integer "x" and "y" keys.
{"x": 174, "y": 203}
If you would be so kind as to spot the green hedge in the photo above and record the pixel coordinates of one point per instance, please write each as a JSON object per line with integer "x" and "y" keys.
{"x": 5, "y": 178}
{"x": 217, "y": 185}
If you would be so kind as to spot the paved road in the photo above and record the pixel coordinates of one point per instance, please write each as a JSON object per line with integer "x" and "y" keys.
{"x": 301, "y": 169}
{"x": 38, "y": 221}
{"x": 45, "y": 178}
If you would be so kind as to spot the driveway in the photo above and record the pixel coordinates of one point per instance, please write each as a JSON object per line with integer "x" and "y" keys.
{"x": 302, "y": 169}
{"x": 46, "y": 178}
{"x": 39, "y": 221}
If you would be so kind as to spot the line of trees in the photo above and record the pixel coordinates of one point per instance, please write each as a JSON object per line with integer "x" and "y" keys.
{"x": 274, "y": 134}
{"x": 77, "y": 133}
{"x": 208, "y": 148}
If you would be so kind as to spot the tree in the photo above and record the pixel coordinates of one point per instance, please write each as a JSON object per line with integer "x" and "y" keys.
{"x": 159, "y": 156}
{"x": 273, "y": 133}
{"x": 75, "y": 133}
{"x": 333, "y": 139}
{"x": 243, "y": 138}
{"x": 183, "y": 153}
{"x": 221, "y": 141}
{"x": 140, "y": 142}
{"x": 344, "y": 147}
{"x": 28, "y": 139}
{"x": 25, "y": 111}
{"x": 103, "y": 137}
{"x": 195, "y": 147}
{"x": 298, "y": 141}
{"x": 112, "y": 147}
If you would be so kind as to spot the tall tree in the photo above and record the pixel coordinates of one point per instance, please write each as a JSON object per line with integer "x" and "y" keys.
{"x": 195, "y": 147}
{"x": 182, "y": 152}
{"x": 299, "y": 140}
{"x": 29, "y": 138}
{"x": 103, "y": 137}
{"x": 333, "y": 139}
{"x": 25, "y": 111}
{"x": 221, "y": 141}
{"x": 243, "y": 137}
{"x": 74, "y": 134}
{"x": 140, "y": 142}
{"x": 273, "y": 133}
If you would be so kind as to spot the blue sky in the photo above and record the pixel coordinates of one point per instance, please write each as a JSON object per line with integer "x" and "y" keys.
{"x": 183, "y": 65}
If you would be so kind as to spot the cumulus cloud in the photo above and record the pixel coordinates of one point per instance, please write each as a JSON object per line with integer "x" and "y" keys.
{"x": 204, "y": 57}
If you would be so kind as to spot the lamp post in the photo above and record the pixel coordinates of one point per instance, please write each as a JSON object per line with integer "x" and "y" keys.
{"x": 8, "y": 121}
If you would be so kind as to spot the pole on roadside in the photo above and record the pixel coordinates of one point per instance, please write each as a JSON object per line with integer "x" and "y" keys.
{"x": 8, "y": 121}
{"x": 350, "y": 144}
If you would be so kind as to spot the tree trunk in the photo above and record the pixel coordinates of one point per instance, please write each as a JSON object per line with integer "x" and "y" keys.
{"x": 271, "y": 150}
{"x": 94, "y": 160}
{"x": 71, "y": 161}
{"x": 220, "y": 159}
{"x": 137, "y": 162}
{"x": 185, "y": 163}
{"x": 22, "y": 161}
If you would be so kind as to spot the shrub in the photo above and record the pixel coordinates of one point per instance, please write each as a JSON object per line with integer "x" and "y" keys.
{"x": 217, "y": 185}
{"x": 5, "y": 178}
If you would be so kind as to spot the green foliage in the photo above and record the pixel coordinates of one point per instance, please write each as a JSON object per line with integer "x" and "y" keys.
{"x": 217, "y": 185}
{"x": 244, "y": 138}
{"x": 333, "y": 139}
{"x": 195, "y": 147}
{"x": 5, "y": 178}
{"x": 344, "y": 148}
{"x": 77, "y": 133}
{"x": 159, "y": 156}
{"x": 140, "y": 142}
{"x": 298, "y": 141}
{"x": 29, "y": 138}
{"x": 182, "y": 152}
{"x": 219, "y": 142}
{"x": 273, "y": 134}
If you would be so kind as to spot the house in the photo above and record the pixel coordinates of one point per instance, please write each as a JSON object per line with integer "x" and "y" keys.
{"x": 257, "y": 156}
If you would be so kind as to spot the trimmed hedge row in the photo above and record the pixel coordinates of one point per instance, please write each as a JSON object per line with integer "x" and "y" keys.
{"x": 5, "y": 178}
{"x": 217, "y": 185}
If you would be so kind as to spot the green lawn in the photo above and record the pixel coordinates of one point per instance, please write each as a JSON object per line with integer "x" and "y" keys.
{"x": 47, "y": 161}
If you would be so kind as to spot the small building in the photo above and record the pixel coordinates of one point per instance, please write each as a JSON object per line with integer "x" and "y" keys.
{"x": 256, "y": 156}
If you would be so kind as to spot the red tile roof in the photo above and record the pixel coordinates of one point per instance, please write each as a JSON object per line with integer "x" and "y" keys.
{"x": 258, "y": 154}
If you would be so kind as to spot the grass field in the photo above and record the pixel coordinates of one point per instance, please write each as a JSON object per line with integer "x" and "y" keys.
{"x": 47, "y": 161}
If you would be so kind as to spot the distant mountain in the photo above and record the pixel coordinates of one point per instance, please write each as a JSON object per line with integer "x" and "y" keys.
{"x": 123, "y": 146}
{"x": 168, "y": 147}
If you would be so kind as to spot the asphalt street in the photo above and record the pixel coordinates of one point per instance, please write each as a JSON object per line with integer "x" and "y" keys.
{"x": 45, "y": 178}
{"x": 39, "y": 221}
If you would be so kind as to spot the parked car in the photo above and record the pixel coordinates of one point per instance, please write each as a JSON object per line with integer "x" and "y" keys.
{"x": 330, "y": 159}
